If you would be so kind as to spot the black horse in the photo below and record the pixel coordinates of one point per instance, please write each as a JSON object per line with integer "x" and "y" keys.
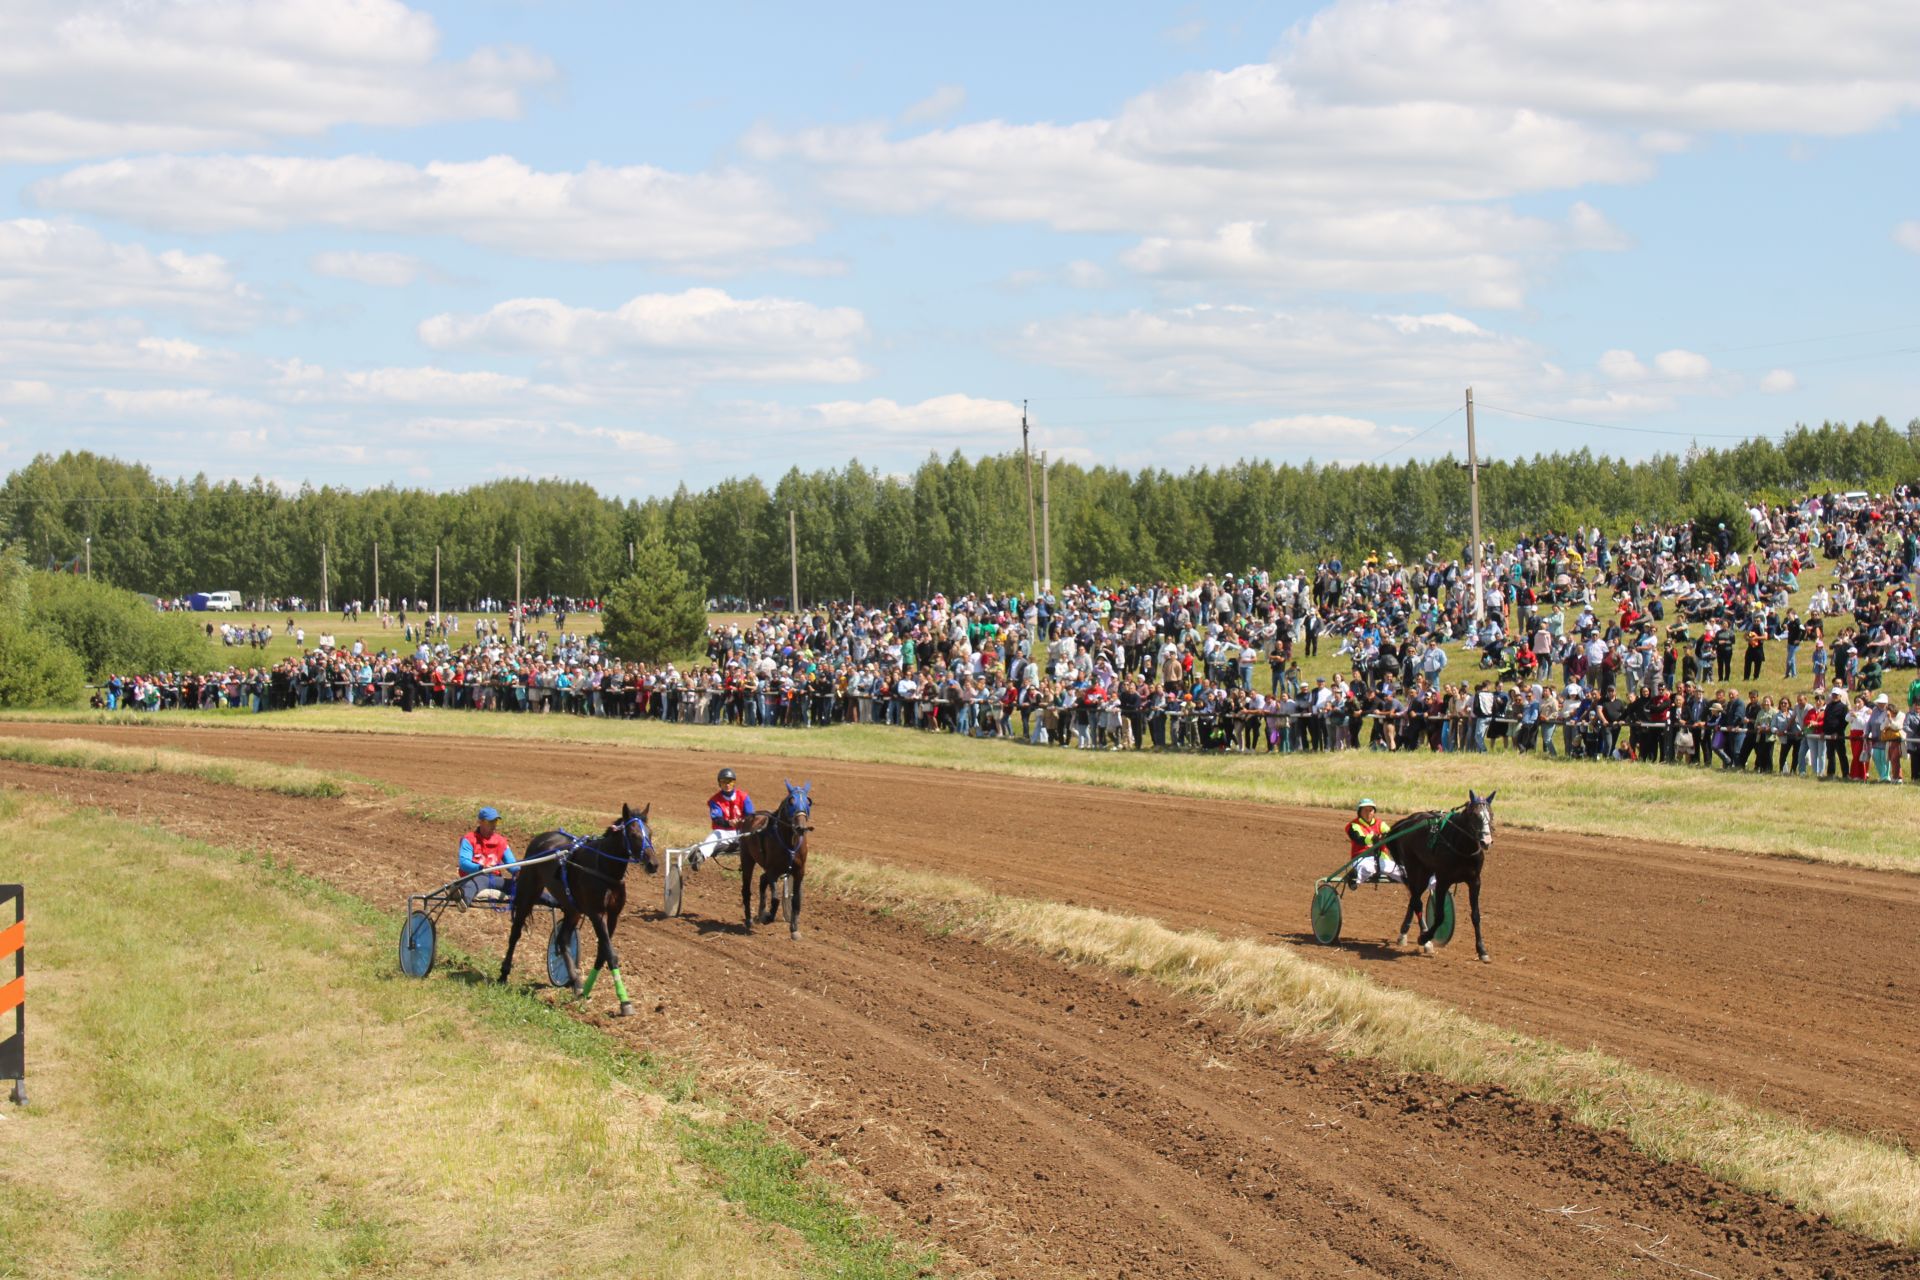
{"x": 587, "y": 879}
{"x": 1453, "y": 850}
{"x": 778, "y": 846}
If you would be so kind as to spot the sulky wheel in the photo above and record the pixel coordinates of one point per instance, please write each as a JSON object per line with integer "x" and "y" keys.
{"x": 1326, "y": 915}
{"x": 417, "y": 939}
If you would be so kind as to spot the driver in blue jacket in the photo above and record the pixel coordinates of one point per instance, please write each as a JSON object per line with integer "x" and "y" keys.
{"x": 485, "y": 849}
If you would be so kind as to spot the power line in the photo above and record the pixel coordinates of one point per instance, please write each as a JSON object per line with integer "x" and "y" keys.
{"x": 1607, "y": 426}
{"x": 1415, "y": 436}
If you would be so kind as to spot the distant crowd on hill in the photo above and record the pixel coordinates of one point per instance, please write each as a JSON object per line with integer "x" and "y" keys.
{"x": 1541, "y": 661}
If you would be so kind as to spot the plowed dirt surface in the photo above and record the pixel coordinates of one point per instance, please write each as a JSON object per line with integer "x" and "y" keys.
{"x": 1041, "y": 1120}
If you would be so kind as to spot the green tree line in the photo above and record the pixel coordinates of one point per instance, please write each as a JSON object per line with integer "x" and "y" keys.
{"x": 954, "y": 522}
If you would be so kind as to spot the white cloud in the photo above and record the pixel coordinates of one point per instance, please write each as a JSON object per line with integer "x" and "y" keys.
{"x": 1701, "y": 65}
{"x": 1483, "y": 256}
{"x": 936, "y": 106}
{"x": 1622, "y": 366}
{"x": 108, "y": 77}
{"x": 102, "y": 345}
{"x": 386, "y": 270}
{"x": 428, "y": 385}
{"x": 62, "y": 266}
{"x": 1323, "y": 433}
{"x": 199, "y": 404}
{"x": 1779, "y": 382}
{"x": 25, "y": 391}
{"x": 1210, "y": 149}
{"x": 1373, "y": 151}
{"x": 547, "y": 436}
{"x": 1907, "y": 235}
{"x": 947, "y": 417}
{"x": 753, "y": 338}
{"x": 1322, "y": 357}
{"x": 1684, "y": 365}
{"x": 598, "y": 213}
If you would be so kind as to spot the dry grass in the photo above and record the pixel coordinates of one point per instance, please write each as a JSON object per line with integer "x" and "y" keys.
{"x": 78, "y": 753}
{"x": 1870, "y": 1187}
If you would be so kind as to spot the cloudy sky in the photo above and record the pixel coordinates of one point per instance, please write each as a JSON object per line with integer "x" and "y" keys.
{"x": 368, "y": 242}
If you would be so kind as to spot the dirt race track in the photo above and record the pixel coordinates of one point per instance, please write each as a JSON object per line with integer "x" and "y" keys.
{"x": 1041, "y": 1120}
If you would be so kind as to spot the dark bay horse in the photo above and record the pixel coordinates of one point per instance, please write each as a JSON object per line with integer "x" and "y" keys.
{"x": 778, "y": 846}
{"x": 587, "y": 879}
{"x": 1452, "y": 850}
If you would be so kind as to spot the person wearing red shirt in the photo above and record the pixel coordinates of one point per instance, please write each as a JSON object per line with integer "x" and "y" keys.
{"x": 730, "y": 809}
{"x": 484, "y": 849}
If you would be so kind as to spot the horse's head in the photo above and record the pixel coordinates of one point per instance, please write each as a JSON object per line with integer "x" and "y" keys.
{"x": 636, "y": 836}
{"x": 1479, "y": 817}
{"x": 799, "y": 806}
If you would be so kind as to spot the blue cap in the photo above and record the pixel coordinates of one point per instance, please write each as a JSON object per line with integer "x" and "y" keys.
{"x": 489, "y": 814}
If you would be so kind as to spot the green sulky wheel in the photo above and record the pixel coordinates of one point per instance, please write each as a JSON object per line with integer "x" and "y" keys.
{"x": 1437, "y": 914}
{"x": 1326, "y": 915}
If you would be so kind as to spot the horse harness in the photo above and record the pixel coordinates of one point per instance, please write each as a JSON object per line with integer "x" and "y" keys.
{"x": 625, "y": 858}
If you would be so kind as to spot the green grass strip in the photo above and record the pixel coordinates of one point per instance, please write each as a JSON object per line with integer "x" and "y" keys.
{"x": 244, "y": 1196}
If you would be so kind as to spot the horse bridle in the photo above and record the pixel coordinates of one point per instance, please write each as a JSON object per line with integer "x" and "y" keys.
{"x": 789, "y": 815}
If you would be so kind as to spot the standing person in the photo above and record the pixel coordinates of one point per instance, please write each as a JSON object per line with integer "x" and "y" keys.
{"x": 484, "y": 849}
{"x": 1755, "y": 660}
{"x": 1833, "y": 729}
{"x": 1883, "y": 726}
{"x": 1857, "y": 737}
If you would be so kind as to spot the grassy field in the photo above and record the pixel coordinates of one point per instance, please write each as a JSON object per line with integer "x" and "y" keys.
{"x": 1868, "y": 1186}
{"x": 229, "y": 1080}
{"x": 1852, "y": 824}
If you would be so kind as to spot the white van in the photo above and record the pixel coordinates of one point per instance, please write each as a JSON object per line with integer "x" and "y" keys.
{"x": 223, "y": 601}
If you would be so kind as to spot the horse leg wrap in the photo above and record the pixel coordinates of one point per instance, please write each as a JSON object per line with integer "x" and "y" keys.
{"x": 620, "y": 987}
{"x": 592, "y": 978}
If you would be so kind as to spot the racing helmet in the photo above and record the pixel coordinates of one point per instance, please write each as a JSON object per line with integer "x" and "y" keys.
{"x": 726, "y": 776}
{"x": 1366, "y": 803}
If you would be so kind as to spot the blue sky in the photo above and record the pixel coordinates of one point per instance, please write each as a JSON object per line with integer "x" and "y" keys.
{"x": 365, "y": 242}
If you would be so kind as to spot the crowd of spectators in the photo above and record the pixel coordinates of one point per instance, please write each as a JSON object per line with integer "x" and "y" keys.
{"x": 1581, "y": 643}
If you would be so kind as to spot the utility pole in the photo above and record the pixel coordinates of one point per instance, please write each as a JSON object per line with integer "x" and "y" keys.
{"x": 436, "y": 582}
{"x": 1033, "y": 539}
{"x": 89, "y": 550}
{"x": 325, "y": 606}
{"x": 793, "y": 554}
{"x": 519, "y": 610}
{"x": 376, "y": 578}
{"x": 629, "y": 555}
{"x": 1473, "y": 486}
{"x": 1046, "y": 527}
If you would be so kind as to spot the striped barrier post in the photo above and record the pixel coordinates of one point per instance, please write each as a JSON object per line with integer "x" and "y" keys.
{"x": 13, "y": 996}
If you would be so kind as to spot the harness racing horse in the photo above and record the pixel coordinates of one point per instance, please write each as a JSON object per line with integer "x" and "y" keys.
{"x": 587, "y": 879}
{"x": 778, "y": 847}
{"x": 1453, "y": 852}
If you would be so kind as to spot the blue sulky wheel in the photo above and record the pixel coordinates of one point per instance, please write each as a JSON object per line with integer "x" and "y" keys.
{"x": 562, "y": 965}
{"x": 1326, "y": 915}
{"x": 1438, "y": 906}
{"x": 417, "y": 938}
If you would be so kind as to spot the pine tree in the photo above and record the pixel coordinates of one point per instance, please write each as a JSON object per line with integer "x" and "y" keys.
{"x": 656, "y": 612}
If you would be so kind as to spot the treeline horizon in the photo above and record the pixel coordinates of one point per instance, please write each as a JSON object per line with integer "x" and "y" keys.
{"x": 954, "y": 523}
